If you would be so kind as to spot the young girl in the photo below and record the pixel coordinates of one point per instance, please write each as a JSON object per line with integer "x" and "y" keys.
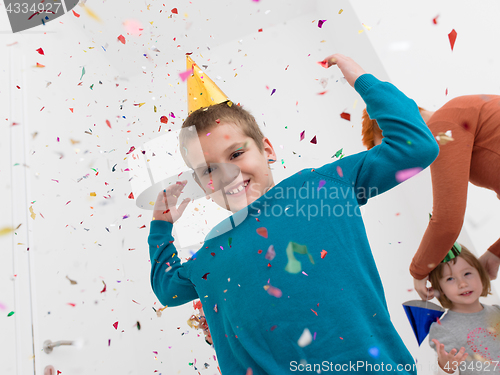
{"x": 469, "y": 329}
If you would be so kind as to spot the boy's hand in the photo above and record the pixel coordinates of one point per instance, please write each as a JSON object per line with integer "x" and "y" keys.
{"x": 348, "y": 66}
{"x": 450, "y": 358}
{"x": 423, "y": 291}
{"x": 166, "y": 201}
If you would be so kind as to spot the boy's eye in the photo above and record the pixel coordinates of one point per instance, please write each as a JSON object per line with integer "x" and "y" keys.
{"x": 449, "y": 278}
{"x": 237, "y": 152}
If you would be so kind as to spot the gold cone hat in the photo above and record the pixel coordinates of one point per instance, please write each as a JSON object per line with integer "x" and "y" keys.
{"x": 202, "y": 91}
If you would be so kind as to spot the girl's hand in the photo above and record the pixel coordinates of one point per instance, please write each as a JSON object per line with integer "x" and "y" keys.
{"x": 453, "y": 360}
{"x": 165, "y": 203}
{"x": 348, "y": 66}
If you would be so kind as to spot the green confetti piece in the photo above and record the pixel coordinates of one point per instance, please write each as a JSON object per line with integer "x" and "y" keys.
{"x": 294, "y": 266}
{"x": 339, "y": 154}
{"x": 83, "y": 73}
{"x": 10, "y": 314}
{"x": 230, "y": 241}
{"x": 92, "y": 87}
{"x": 138, "y": 326}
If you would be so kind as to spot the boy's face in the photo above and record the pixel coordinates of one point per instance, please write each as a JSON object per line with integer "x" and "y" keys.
{"x": 462, "y": 285}
{"x": 229, "y": 160}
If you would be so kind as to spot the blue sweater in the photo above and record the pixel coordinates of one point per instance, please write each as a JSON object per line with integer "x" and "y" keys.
{"x": 257, "y": 308}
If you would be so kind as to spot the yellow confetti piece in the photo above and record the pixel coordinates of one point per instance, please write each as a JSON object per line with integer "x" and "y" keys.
{"x": 92, "y": 194}
{"x": 91, "y": 13}
{"x": 229, "y": 103}
{"x": 73, "y": 141}
{"x": 355, "y": 104}
{"x": 141, "y": 104}
{"x": 366, "y": 27}
{"x": 360, "y": 31}
{"x": 33, "y": 215}
{"x": 340, "y": 11}
{"x": 6, "y": 230}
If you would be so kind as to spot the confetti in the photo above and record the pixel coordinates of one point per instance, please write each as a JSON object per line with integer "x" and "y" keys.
{"x": 186, "y": 74}
{"x": 204, "y": 277}
{"x": 274, "y": 90}
{"x": 270, "y": 253}
{"x": 340, "y": 11}
{"x": 322, "y": 92}
{"x": 405, "y": 174}
{"x": 275, "y": 292}
{"x": 323, "y": 63}
{"x": 108, "y": 123}
{"x": 121, "y": 38}
{"x": 435, "y": 20}
{"x": 103, "y": 289}
{"x": 83, "y": 73}
{"x": 10, "y": 314}
{"x": 40, "y": 51}
{"x": 452, "y": 36}
{"x": 174, "y": 11}
{"x": 76, "y": 14}
{"x": 345, "y": 116}
{"x": 33, "y": 215}
{"x": 73, "y": 282}
{"x": 305, "y": 339}
{"x": 320, "y": 23}
{"x": 133, "y": 27}
{"x": 339, "y": 171}
{"x": 6, "y": 230}
{"x": 314, "y": 141}
{"x": 444, "y": 138}
{"x": 374, "y": 352}
{"x": 293, "y": 265}
{"x": 339, "y": 154}
{"x": 115, "y": 324}
{"x": 323, "y": 254}
{"x": 262, "y": 231}
{"x": 164, "y": 119}
{"x": 302, "y": 135}
{"x": 90, "y": 13}
{"x": 249, "y": 370}
{"x": 138, "y": 325}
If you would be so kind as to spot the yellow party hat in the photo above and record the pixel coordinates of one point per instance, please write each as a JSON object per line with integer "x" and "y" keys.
{"x": 202, "y": 91}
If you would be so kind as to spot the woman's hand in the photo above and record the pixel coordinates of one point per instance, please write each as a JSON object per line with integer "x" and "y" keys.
{"x": 348, "y": 66}
{"x": 423, "y": 291}
{"x": 490, "y": 263}
{"x": 449, "y": 361}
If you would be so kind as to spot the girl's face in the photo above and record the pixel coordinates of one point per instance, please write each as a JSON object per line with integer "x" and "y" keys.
{"x": 462, "y": 285}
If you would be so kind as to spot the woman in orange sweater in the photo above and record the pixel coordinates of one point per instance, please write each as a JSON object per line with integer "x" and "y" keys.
{"x": 473, "y": 122}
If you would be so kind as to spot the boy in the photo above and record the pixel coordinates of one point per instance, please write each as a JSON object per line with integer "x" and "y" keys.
{"x": 270, "y": 308}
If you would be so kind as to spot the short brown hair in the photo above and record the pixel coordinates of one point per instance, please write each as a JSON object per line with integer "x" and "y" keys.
{"x": 466, "y": 255}
{"x": 369, "y": 128}
{"x": 207, "y": 118}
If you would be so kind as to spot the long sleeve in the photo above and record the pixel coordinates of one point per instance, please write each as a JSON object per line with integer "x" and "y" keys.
{"x": 444, "y": 336}
{"x": 169, "y": 278}
{"x": 407, "y": 143}
{"x": 450, "y": 179}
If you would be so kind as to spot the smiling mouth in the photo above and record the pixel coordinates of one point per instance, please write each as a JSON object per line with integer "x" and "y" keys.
{"x": 466, "y": 294}
{"x": 238, "y": 189}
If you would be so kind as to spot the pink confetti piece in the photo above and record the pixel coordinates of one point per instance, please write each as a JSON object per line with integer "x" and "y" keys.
{"x": 270, "y": 253}
{"x": 186, "y": 74}
{"x": 320, "y": 23}
{"x": 323, "y": 63}
{"x": 2, "y": 306}
{"x": 133, "y": 27}
{"x": 115, "y": 324}
{"x": 323, "y": 254}
{"x": 339, "y": 171}
{"x": 121, "y": 38}
{"x": 275, "y": 292}
{"x": 302, "y": 135}
{"x": 262, "y": 231}
{"x": 405, "y": 174}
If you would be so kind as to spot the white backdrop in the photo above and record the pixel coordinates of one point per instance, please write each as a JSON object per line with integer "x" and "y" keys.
{"x": 72, "y": 153}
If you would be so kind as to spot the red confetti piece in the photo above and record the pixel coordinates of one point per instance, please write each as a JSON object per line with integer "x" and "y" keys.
{"x": 320, "y": 23}
{"x": 273, "y": 327}
{"x": 446, "y": 92}
{"x": 452, "y": 36}
{"x": 76, "y": 14}
{"x": 339, "y": 171}
{"x": 215, "y": 308}
{"x": 438, "y": 321}
{"x": 314, "y": 312}
{"x": 131, "y": 196}
{"x": 260, "y": 30}
{"x": 249, "y": 370}
{"x": 204, "y": 277}
{"x": 71, "y": 109}
{"x": 197, "y": 305}
{"x": 103, "y": 289}
{"x": 302, "y": 135}
{"x": 115, "y": 324}
{"x": 323, "y": 254}
{"x": 435, "y": 20}
{"x": 38, "y": 65}
{"x": 186, "y": 74}
{"x": 121, "y": 38}
{"x": 313, "y": 141}
{"x": 131, "y": 149}
{"x": 40, "y": 51}
{"x": 217, "y": 121}
{"x": 72, "y": 304}
{"x": 212, "y": 254}
{"x": 108, "y": 123}
{"x": 142, "y": 227}
{"x": 322, "y": 92}
{"x": 345, "y": 116}
{"x": 174, "y": 11}
{"x": 262, "y": 231}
